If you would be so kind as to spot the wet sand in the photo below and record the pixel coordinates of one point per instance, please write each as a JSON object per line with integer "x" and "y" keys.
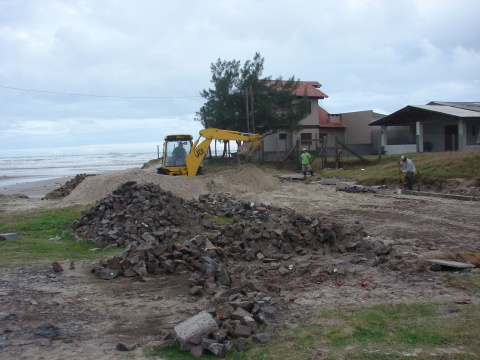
{"x": 34, "y": 189}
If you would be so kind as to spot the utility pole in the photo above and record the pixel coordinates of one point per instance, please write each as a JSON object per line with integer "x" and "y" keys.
{"x": 251, "y": 104}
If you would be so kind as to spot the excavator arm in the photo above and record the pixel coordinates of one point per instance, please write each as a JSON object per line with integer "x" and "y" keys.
{"x": 199, "y": 149}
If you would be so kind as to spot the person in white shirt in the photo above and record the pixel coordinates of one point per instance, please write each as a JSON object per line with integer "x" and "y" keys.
{"x": 408, "y": 169}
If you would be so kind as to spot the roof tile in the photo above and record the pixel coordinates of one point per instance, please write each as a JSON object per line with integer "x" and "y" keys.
{"x": 309, "y": 88}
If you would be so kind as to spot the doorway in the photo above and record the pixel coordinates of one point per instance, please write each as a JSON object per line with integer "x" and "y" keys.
{"x": 451, "y": 137}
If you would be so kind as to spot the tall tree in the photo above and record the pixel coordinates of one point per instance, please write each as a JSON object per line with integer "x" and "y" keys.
{"x": 275, "y": 105}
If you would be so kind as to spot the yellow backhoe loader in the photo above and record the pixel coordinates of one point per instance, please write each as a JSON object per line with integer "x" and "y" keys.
{"x": 183, "y": 157}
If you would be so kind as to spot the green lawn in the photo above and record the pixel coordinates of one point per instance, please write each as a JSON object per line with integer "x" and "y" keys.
{"x": 43, "y": 238}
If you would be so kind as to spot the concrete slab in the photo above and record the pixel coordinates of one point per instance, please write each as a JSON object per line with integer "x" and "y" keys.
{"x": 293, "y": 176}
{"x": 331, "y": 181}
{"x": 445, "y": 196}
{"x": 8, "y": 236}
{"x": 452, "y": 264}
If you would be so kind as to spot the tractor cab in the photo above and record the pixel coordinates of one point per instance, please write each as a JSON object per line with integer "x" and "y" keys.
{"x": 175, "y": 149}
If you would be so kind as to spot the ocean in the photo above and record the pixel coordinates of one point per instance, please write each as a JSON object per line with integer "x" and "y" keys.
{"x": 17, "y": 170}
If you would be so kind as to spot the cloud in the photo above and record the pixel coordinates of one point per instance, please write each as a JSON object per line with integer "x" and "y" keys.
{"x": 368, "y": 54}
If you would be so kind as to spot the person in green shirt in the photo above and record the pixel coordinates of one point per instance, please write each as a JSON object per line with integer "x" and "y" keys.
{"x": 305, "y": 157}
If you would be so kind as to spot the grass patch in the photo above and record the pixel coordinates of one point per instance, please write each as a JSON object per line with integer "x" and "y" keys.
{"x": 444, "y": 165}
{"x": 43, "y": 238}
{"x": 376, "y": 332}
{"x": 469, "y": 282}
{"x": 222, "y": 220}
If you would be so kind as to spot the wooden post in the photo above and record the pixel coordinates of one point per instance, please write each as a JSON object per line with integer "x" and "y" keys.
{"x": 247, "y": 110}
{"x": 324, "y": 151}
{"x": 297, "y": 157}
{"x": 252, "y": 111}
{"x": 336, "y": 152}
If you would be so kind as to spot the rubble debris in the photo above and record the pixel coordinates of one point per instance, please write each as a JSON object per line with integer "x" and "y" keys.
{"x": 240, "y": 267}
{"x": 213, "y": 329}
{"x": 68, "y": 187}
{"x": 353, "y": 187}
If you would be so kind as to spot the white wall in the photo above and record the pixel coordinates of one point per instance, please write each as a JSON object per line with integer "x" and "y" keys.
{"x": 401, "y": 149}
{"x": 357, "y": 130}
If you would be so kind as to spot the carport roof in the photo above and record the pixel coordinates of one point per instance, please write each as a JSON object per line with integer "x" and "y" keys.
{"x": 413, "y": 113}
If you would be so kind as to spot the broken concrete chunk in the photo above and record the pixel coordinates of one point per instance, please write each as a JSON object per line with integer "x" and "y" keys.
{"x": 224, "y": 311}
{"x": 196, "y": 290}
{"x": 8, "y": 236}
{"x": 449, "y": 264}
{"x": 239, "y": 314}
{"x": 240, "y": 344}
{"x": 199, "y": 325}
{"x": 219, "y": 350}
{"x": 262, "y": 338}
{"x": 283, "y": 271}
{"x": 242, "y": 331}
{"x": 57, "y": 267}
{"x": 107, "y": 274}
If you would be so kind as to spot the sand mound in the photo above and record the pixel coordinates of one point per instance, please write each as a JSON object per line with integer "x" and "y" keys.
{"x": 244, "y": 179}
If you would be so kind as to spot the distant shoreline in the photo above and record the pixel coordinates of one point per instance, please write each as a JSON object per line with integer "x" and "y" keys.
{"x": 34, "y": 189}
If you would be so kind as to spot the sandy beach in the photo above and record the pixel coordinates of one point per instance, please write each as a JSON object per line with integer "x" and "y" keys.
{"x": 34, "y": 189}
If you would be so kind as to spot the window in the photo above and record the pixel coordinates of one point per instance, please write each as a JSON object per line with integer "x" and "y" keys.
{"x": 306, "y": 138}
{"x": 282, "y": 136}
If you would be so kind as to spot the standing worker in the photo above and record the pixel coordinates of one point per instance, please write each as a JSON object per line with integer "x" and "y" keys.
{"x": 406, "y": 166}
{"x": 305, "y": 157}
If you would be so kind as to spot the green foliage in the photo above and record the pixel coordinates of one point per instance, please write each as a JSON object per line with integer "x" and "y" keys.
{"x": 43, "y": 237}
{"x": 275, "y": 105}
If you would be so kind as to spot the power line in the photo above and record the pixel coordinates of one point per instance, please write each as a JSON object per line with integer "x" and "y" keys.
{"x": 100, "y": 96}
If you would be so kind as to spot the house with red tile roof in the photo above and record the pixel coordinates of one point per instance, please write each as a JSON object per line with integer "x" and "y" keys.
{"x": 320, "y": 126}
{"x": 275, "y": 146}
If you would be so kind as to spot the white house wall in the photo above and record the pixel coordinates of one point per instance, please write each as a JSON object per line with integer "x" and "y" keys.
{"x": 357, "y": 130}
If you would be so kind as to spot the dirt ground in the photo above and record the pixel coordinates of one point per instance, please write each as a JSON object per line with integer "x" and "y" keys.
{"x": 73, "y": 314}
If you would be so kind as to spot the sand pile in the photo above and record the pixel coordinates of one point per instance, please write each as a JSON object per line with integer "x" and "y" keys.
{"x": 245, "y": 179}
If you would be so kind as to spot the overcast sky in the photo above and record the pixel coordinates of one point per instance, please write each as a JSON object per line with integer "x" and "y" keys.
{"x": 376, "y": 55}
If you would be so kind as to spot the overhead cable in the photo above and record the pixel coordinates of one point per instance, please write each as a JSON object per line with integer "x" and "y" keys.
{"x": 100, "y": 96}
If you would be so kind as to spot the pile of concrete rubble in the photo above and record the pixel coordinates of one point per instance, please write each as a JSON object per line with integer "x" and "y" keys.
{"x": 68, "y": 187}
{"x": 241, "y": 266}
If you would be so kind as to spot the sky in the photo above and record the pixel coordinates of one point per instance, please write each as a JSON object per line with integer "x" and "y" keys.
{"x": 134, "y": 70}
